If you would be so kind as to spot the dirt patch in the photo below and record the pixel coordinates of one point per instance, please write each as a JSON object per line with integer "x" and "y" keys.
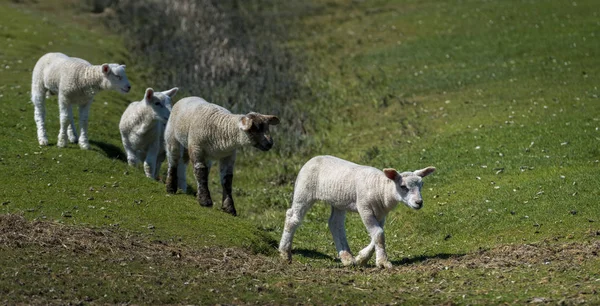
{"x": 17, "y": 232}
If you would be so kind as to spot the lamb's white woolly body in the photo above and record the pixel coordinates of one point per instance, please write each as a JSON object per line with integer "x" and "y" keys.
{"x": 210, "y": 132}
{"x": 346, "y": 187}
{"x": 142, "y": 129}
{"x": 75, "y": 81}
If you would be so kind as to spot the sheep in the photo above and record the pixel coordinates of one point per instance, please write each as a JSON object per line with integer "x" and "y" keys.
{"x": 202, "y": 132}
{"x": 75, "y": 81}
{"x": 347, "y": 186}
{"x": 142, "y": 129}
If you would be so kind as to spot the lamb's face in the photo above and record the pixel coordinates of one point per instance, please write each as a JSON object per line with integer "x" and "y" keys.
{"x": 116, "y": 77}
{"x": 409, "y": 189}
{"x": 256, "y": 127}
{"x": 160, "y": 102}
{"x": 409, "y": 184}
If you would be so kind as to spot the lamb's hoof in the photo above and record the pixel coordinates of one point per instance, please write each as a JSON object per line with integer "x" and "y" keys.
{"x": 347, "y": 258}
{"x": 84, "y": 146}
{"x": 61, "y": 143}
{"x": 170, "y": 189}
{"x": 385, "y": 264}
{"x": 43, "y": 141}
{"x": 207, "y": 203}
{"x": 229, "y": 210}
{"x": 73, "y": 139}
{"x": 361, "y": 260}
{"x": 285, "y": 256}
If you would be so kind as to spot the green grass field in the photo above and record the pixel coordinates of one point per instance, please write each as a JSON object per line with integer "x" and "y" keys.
{"x": 500, "y": 96}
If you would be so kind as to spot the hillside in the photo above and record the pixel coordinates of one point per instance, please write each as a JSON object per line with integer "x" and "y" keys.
{"x": 500, "y": 96}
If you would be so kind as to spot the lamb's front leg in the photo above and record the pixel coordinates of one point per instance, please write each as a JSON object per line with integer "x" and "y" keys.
{"x": 338, "y": 231}
{"x": 226, "y": 170}
{"x": 150, "y": 160}
{"x": 375, "y": 229}
{"x": 84, "y": 113}
{"x": 201, "y": 170}
{"x": 72, "y": 130}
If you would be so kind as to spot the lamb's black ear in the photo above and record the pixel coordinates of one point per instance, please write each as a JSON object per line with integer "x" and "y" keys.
{"x": 272, "y": 120}
{"x": 148, "y": 95}
{"x": 245, "y": 123}
{"x": 106, "y": 69}
{"x": 390, "y": 173}
{"x": 424, "y": 172}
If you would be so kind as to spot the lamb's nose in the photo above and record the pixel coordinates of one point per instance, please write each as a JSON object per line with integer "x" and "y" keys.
{"x": 419, "y": 202}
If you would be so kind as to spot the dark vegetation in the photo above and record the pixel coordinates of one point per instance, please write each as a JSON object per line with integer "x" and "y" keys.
{"x": 228, "y": 52}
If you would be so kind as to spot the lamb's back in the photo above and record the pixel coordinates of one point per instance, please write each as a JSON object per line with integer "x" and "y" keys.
{"x": 335, "y": 180}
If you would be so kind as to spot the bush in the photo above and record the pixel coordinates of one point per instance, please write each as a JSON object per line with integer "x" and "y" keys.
{"x": 228, "y": 52}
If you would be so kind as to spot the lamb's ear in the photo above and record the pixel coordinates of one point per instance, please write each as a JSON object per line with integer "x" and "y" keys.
{"x": 171, "y": 92}
{"x": 123, "y": 66}
{"x": 106, "y": 69}
{"x": 272, "y": 120}
{"x": 390, "y": 173}
{"x": 245, "y": 123}
{"x": 148, "y": 95}
{"x": 424, "y": 172}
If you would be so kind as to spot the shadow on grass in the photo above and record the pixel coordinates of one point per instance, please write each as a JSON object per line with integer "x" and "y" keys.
{"x": 110, "y": 150}
{"x": 423, "y": 258}
{"x": 312, "y": 254}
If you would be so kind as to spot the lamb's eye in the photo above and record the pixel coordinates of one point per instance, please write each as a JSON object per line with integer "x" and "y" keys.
{"x": 157, "y": 103}
{"x": 119, "y": 77}
{"x": 404, "y": 188}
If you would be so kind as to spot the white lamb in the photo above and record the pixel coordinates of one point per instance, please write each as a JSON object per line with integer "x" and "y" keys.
{"x": 350, "y": 187}
{"x": 75, "y": 81}
{"x": 142, "y": 129}
{"x": 203, "y": 132}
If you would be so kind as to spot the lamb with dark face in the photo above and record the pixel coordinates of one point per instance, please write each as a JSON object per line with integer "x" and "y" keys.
{"x": 201, "y": 132}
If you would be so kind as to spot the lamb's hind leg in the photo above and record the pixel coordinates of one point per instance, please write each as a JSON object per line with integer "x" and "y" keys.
{"x": 201, "y": 171}
{"x": 64, "y": 121}
{"x": 338, "y": 231}
{"x": 293, "y": 219}
{"x": 38, "y": 98}
{"x": 174, "y": 156}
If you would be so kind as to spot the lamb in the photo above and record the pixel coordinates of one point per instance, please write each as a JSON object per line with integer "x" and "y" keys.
{"x": 202, "y": 132}
{"x": 346, "y": 187}
{"x": 142, "y": 129}
{"x": 75, "y": 81}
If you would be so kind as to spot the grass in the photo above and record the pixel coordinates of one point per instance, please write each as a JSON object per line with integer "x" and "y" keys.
{"x": 502, "y": 97}
{"x": 93, "y": 188}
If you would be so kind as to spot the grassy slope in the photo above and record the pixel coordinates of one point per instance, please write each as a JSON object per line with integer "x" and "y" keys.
{"x": 394, "y": 84}
{"x": 88, "y": 187}
{"x": 501, "y": 97}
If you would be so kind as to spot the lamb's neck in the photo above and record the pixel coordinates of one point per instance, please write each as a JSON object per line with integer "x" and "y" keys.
{"x": 92, "y": 79}
{"x": 390, "y": 195}
{"x": 229, "y": 135}
{"x": 148, "y": 118}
